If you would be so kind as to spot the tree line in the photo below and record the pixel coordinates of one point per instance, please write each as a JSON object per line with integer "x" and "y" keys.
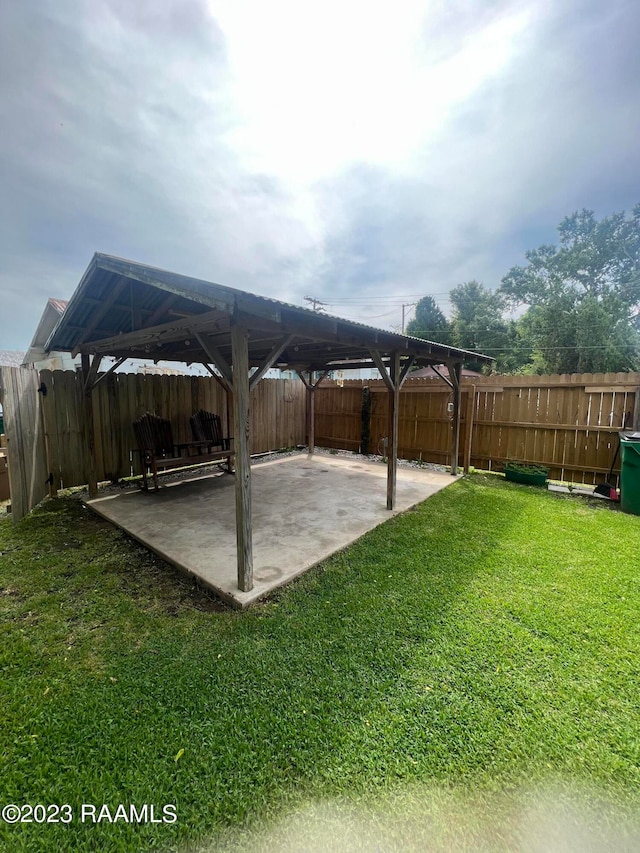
{"x": 574, "y": 307}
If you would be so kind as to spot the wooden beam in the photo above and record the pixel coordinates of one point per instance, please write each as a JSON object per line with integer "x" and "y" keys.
{"x": 442, "y": 376}
{"x": 170, "y": 282}
{"x": 89, "y": 379}
{"x": 406, "y": 367}
{"x": 108, "y": 372}
{"x": 305, "y": 382}
{"x": 217, "y": 358}
{"x": 322, "y": 376}
{"x": 161, "y": 310}
{"x": 219, "y": 379}
{"x": 240, "y": 341}
{"x": 99, "y": 316}
{"x": 89, "y": 435}
{"x": 455, "y": 372}
{"x": 346, "y": 365}
{"x": 635, "y": 425}
{"x": 329, "y": 330}
{"x": 170, "y": 332}
{"x": 309, "y": 383}
{"x": 275, "y": 353}
{"x": 392, "y": 449}
{"x": 375, "y": 355}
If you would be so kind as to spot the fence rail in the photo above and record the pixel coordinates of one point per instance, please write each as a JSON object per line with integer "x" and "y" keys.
{"x": 569, "y": 423}
{"x": 277, "y": 417}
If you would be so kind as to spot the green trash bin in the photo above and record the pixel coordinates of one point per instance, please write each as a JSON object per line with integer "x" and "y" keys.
{"x": 630, "y": 472}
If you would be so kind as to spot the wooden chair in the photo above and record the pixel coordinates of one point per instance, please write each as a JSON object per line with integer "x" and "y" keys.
{"x": 207, "y": 428}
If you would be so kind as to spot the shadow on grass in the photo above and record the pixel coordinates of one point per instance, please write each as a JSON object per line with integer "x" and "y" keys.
{"x": 366, "y": 673}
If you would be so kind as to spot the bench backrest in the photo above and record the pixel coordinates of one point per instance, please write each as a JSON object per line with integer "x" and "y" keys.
{"x": 206, "y": 427}
{"x": 153, "y": 434}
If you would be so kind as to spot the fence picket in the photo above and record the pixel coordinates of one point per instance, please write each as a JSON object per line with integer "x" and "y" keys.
{"x": 568, "y": 422}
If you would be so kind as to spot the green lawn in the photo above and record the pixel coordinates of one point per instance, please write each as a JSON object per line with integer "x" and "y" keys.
{"x": 454, "y": 661}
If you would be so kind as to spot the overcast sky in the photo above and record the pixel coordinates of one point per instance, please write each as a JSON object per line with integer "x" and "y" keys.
{"x": 365, "y": 153}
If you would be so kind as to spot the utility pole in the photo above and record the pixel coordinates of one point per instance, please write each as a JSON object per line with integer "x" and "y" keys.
{"x": 406, "y": 305}
{"x": 316, "y": 304}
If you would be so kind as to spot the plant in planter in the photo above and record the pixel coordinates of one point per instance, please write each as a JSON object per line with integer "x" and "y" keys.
{"x": 522, "y": 472}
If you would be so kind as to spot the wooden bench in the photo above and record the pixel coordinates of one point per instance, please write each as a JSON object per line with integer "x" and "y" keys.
{"x": 158, "y": 451}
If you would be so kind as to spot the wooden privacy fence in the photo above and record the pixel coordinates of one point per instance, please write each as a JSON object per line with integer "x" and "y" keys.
{"x": 277, "y": 417}
{"x": 424, "y": 422}
{"x": 569, "y": 423}
{"x": 24, "y": 433}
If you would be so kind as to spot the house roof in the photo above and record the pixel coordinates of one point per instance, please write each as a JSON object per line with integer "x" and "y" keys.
{"x": 130, "y": 310}
{"x": 58, "y": 304}
{"x": 53, "y": 310}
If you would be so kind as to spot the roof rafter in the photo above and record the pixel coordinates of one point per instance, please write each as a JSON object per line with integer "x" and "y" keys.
{"x": 211, "y": 310}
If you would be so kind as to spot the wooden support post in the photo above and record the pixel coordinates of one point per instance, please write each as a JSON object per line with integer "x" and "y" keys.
{"x": 229, "y": 403}
{"x": 92, "y": 480}
{"x": 311, "y": 386}
{"x": 468, "y": 426}
{"x": 455, "y": 372}
{"x": 240, "y": 361}
{"x": 392, "y": 449}
{"x": 309, "y": 410}
{"x": 312, "y": 418}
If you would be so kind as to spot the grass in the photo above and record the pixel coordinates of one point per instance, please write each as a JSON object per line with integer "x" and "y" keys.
{"x": 453, "y": 660}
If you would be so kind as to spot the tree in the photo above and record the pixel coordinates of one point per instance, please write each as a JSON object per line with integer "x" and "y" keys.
{"x": 429, "y": 322}
{"x": 478, "y": 324}
{"x": 582, "y": 296}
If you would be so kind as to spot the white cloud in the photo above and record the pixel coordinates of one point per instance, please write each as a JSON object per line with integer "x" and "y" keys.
{"x": 342, "y": 148}
{"x": 320, "y": 87}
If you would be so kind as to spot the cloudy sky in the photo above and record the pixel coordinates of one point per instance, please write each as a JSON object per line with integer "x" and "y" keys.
{"x": 365, "y": 153}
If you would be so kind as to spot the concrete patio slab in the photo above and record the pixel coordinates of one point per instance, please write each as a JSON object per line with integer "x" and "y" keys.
{"x": 304, "y": 509}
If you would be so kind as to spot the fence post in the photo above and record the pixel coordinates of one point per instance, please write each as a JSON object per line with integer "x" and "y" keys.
{"x": 365, "y": 432}
{"x": 468, "y": 426}
{"x": 455, "y": 372}
{"x": 92, "y": 479}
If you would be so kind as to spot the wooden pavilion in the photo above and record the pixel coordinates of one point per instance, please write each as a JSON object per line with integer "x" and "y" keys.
{"x": 127, "y": 310}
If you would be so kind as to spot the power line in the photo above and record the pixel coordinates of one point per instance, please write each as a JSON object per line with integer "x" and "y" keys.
{"x": 516, "y": 347}
{"x": 316, "y": 304}
{"x": 362, "y": 319}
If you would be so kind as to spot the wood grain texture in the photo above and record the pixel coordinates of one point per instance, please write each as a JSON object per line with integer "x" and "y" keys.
{"x": 240, "y": 360}
{"x": 392, "y": 448}
{"x": 89, "y": 435}
{"x": 277, "y": 417}
{"x": 25, "y": 443}
{"x": 569, "y": 423}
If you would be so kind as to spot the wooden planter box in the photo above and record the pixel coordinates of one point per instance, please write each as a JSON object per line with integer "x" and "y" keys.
{"x": 528, "y": 478}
